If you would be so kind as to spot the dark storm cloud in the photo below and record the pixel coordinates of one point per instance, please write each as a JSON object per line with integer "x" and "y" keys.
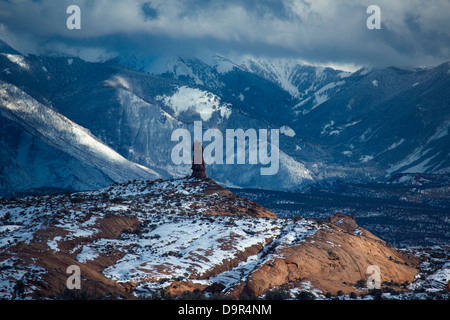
{"x": 148, "y": 11}
{"x": 414, "y": 32}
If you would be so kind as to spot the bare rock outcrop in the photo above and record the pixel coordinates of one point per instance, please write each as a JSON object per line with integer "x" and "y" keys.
{"x": 333, "y": 259}
{"x": 181, "y": 235}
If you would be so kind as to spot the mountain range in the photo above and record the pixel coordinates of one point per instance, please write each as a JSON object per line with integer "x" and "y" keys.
{"x": 69, "y": 124}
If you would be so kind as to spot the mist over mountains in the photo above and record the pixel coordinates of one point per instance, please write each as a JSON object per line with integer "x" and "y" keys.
{"x": 71, "y": 124}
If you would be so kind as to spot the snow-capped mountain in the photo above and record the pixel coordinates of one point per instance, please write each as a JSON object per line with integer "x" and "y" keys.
{"x": 134, "y": 114}
{"x": 361, "y": 126}
{"x": 383, "y": 120}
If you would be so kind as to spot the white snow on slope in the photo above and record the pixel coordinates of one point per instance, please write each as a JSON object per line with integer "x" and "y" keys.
{"x": 365, "y": 159}
{"x": 441, "y": 132}
{"x": 414, "y": 156}
{"x": 169, "y": 64}
{"x": 396, "y": 144}
{"x": 222, "y": 64}
{"x": 419, "y": 154}
{"x": 422, "y": 166}
{"x": 280, "y": 71}
{"x": 321, "y": 95}
{"x": 441, "y": 277}
{"x": 87, "y": 254}
{"x": 65, "y": 135}
{"x": 178, "y": 246}
{"x": 17, "y": 59}
{"x": 53, "y": 244}
{"x": 203, "y": 102}
{"x": 331, "y": 129}
{"x": 117, "y": 81}
{"x": 287, "y": 131}
{"x": 296, "y": 171}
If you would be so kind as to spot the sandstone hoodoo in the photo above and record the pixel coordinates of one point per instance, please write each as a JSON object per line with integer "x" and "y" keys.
{"x": 198, "y": 166}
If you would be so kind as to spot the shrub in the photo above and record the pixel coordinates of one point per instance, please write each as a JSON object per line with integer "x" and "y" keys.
{"x": 76, "y": 199}
{"x": 246, "y": 296}
{"x": 353, "y": 295}
{"x": 159, "y": 294}
{"x": 219, "y": 296}
{"x": 5, "y": 218}
{"x": 361, "y": 283}
{"x": 19, "y": 288}
{"x": 192, "y": 295}
{"x": 305, "y": 295}
{"x": 376, "y": 294}
{"x": 118, "y": 200}
{"x": 282, "y": 293}
{"x": 78, "y": 294}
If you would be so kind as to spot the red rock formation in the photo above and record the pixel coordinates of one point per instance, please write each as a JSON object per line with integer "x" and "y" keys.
{"x": 333, "y": 259}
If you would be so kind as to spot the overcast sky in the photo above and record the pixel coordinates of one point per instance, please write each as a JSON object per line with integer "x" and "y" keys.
{"x": 413, "y": 32}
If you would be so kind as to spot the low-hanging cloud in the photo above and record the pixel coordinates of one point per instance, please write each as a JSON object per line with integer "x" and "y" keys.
{"x": 414, "y": 32}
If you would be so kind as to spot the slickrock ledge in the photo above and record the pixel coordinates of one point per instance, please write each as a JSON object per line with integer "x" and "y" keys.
{"x": 164, "y": 237}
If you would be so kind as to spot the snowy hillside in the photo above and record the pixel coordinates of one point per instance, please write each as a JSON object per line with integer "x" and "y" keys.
{"x": 64, "y": 135}
{"x": 144, "y": 239}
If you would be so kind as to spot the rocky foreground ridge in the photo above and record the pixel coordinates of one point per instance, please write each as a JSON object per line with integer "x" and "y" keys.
{"x": 144, "y": 239}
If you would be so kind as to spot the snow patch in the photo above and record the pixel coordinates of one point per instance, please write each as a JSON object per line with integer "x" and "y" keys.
{"x": 364, "y": 71}
{"x": 365, "y": 159}
{"x": 117, "y": 81}
{"x": 321, "y": 96}
{"x": 87, "y": 254}
{"x": 53, "y": 244}
{"x": 287, "y": 131}
{"x": 344, "y": 74}
{"x": 441, "y": 132}
{"x": 422, "y": 166}
{"x": 224, "y": 66}
{"x": 203, "y": 102}
{"x": 17, "y": 59}
{"x": 414, "y": 156}
{"x": 396, "y": 144}
{"x": 280, "y": 71}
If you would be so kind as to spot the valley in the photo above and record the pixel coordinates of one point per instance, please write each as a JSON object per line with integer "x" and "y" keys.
{"x": 409, "y": 213}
